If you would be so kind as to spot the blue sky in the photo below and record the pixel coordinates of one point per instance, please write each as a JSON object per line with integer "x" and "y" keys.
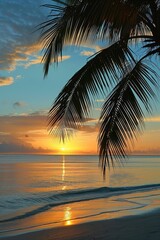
{"x": 25, "y": 96}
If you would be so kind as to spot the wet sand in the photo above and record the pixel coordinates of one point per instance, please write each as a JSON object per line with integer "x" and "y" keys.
{"x": 140, "y": 227}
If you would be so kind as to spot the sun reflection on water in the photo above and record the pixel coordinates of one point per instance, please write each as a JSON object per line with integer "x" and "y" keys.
{"x": 67, "y": 210}
{"x": 67, "y": 216}
{"x": 63, "y": 168}
{"x": 63, "y": 172}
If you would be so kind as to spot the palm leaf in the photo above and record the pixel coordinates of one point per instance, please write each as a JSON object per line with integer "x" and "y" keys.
{"x": 76, "y": 99}
{"x": 121, "y": 22}
{"x": 122, "y": 114}
{"x": 76, "y": 21}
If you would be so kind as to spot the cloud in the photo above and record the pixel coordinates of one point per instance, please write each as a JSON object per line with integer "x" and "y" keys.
{"x": 19, "y": 39}
{"x": 91, "y": 120}
{"x": 84, "y": 122}
{"x": 153, "y": 119}
{"x": 63, "y": 58}
{"x": 20, "y": 56}
{"x": 4, "y": 133}
{"x": 150, "y": 151}
{"x": 39, "y": 113}
{"x": 90, "y": 45}
{"x": 19, "y": 133}
{"x": 100, "y": 100}
{"x": 87, "y": 53}
{"x": 20, "y": 44}
{"x": 18, "y": 76}
{"x": 19, "y": 104}
{"x": 14, "y": 147}
{"x": 27, "y": 134}
{"x": 89, "y": 128}
{"x": 90, "y": 48}
{"x": 89, "y": 125}
{"x": 19, "y": 125}
{"x": 18, "y": 146}
{"x": 98, "y": 109}
{"x": 5, "y": 81}
{"x": 38, "y": 60}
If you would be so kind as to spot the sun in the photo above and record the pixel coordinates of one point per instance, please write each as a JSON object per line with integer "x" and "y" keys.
{"x": 63, "y": 149}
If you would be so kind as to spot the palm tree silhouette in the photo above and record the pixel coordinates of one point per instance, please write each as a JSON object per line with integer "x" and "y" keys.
{"x": 125, "y": 79}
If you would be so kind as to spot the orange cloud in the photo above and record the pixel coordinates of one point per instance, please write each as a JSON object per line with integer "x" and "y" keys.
{"x": 31, "y": 131}
{"x": 24, "y": 134}
{"x": 100, "y": 100}
{"x": 24, "y": 55}
{"x": 87, "y": 53}
{"x": 22, "y": 124}
{"x": 5, "y": 81}
{"x": 153, "y": 119}
{"x": 30, "y": 49}
{"x": 38, "y": 60}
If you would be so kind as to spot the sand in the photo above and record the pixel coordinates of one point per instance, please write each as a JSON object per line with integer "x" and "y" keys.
{"x": 141, "y": 227}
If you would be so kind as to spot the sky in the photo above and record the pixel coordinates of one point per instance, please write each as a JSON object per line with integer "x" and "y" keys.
{"x": 26, "y": 97}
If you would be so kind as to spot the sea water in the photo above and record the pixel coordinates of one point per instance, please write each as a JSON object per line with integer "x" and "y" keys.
{"x": 42, "y": 191}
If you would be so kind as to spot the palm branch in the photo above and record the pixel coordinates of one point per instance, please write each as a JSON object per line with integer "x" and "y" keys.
{"x": 75, "y": 23}
{"x": 122, "y": 114}
{"x": 76, "y": 99}
{"x": 119, "y": 23}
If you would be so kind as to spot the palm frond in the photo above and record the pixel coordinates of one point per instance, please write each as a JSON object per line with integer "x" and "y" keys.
{"x": 122, "y": 22}
{"x": 75, "y": 101}
{"x": 122, "y": 114}
{"x": 75, "y": 21}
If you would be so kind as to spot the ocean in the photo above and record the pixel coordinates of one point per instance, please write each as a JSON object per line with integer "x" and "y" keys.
{"x": 43, "y": 191}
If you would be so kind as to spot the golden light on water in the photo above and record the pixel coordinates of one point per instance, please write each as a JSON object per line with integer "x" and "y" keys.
{"x": 67, "y": 216}
{"x": 63, "y": 172}
{"x": 67, "y": 211}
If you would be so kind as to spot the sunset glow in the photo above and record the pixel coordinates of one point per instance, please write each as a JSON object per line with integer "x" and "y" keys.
{"x": 79, "y": 120}
{"x": 25, "y": 98}
{"x": 63, "y": 149}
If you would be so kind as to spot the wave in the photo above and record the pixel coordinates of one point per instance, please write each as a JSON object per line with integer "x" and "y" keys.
{"x": 78, "y": 196}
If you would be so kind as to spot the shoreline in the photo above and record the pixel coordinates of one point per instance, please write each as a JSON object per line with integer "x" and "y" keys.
{"x": 139, "y": 227}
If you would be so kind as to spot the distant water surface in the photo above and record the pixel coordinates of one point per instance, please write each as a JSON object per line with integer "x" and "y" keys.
{"x": 42, "y": 190}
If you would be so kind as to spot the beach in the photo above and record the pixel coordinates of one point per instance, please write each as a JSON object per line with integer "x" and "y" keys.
{"x": 57, "y": 197}
{"x": 142, "y": 227}
{"x": 80, "y": 151}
